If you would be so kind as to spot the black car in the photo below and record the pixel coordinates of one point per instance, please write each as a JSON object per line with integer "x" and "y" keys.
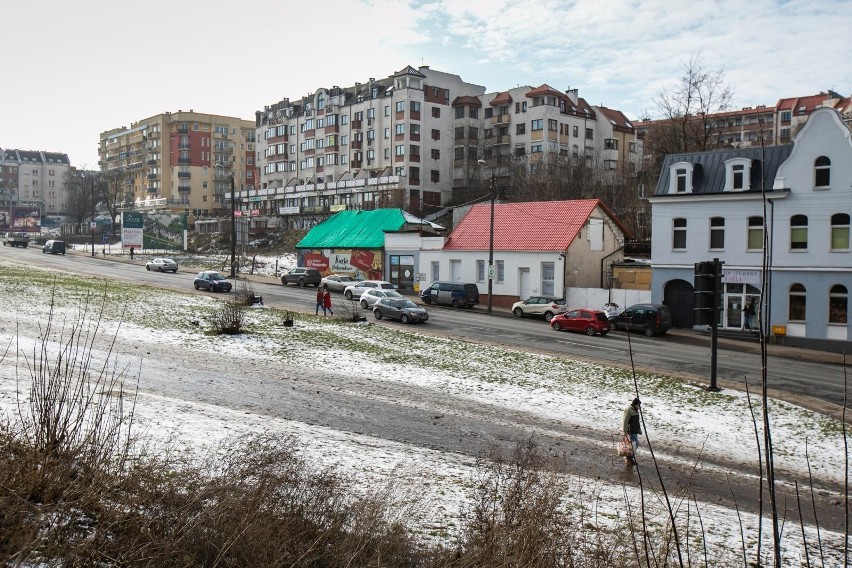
{"x": 212, "y": 281}
{"x": 302, "y": 276}
{"x": 649, "y": 319}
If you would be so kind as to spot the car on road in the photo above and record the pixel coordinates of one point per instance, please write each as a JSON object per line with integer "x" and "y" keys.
{"x": 373, "y": 295}
{"x": 212, "y": 281}
{"x": 455, "y": 294}
{"x": 357, "y": 289}
{"x": 402, "y": 309}
{"x": 160, "y": 264}
{"x": 54, "y": 247}
{"x": 302, "y": 277}
{"x": 16, "y": 240}
{"x": 590, "y": 322}
{"x": 540, "y": 306}
{"x": 337, "y": 282}
{"x": 649, "y": 319}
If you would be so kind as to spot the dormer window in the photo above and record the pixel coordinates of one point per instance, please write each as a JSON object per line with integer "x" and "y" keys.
{"x": 680, "y": 177}
{"x": 822, "y": 172}
{"x": 737, "y": 174}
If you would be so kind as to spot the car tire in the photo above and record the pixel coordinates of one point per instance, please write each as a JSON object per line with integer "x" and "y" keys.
{"x": 347, "y": 294}
{"x": 455, "y": 304}
{"x": 377, "y": 314}
{"x": 590, "y": 331}
{"x": 301, "y": 282}
{"x": 648, "y": 331}
{"x": 519, "y": 313}
{"x": 24, "y": 245}
{"x": 403, "y": 318}
{"x": 557, "y": 327}
{"x": 548, "y": 316}
{"x": 196, "y": 285}
{"x": 148, "y": 268}
{"x": 364, "y": 304}
{"x": 427, "y": 300}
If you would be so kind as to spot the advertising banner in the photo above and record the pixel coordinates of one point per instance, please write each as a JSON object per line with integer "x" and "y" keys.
{"x": 132, "y": 229}
{"x": 25, "y": 219}
{"x": 360, "y": 264}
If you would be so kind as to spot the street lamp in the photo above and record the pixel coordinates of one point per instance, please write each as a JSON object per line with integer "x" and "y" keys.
{"x": 233, "y": 221}
{"x": 490, "y": 239}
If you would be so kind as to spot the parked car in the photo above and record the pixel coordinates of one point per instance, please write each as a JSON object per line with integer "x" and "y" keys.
{"x": 455, "y": 294}
{"x": 611, "y": 309}
{"x": 302, "y": 276}
{"x": 337, "y": 282}
{"x": 402, "y": 309}
{"x": 54, "y": 247}
{"x": 16, "y": 239}
{"x": 590, "y": 322}
{"x": 212, "y": 281}
{"x": 359, "y": 288}
{"x": 162, "y": 265}
{"x": 373, "y": 295}
{"x": 650, "y": 319}
{"x": 546, "y": 306}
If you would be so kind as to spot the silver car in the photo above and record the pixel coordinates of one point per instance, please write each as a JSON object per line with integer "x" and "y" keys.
{"x": 546, "y": 306}
{"x": 337, "y": 282}
{"x": 370, "y": 297}
{"x": 355, "y": 290}
{"x": 162, "y": 265}
{"x": 402, "y": 309}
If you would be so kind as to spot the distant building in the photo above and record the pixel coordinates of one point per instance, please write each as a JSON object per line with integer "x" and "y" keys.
{"x": 34, "y": 179}
{"x": 168, "y": 163}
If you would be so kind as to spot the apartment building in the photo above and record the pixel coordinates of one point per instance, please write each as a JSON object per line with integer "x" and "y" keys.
{"x": 382, "y": 143}
{"x": 168, "y": 163}
{"x": 34, "y": 179}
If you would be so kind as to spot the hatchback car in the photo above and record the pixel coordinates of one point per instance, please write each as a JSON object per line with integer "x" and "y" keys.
{"x": 162, "y": 265}
{"x": 337, "y": 282}
{"x": 650, "y": 319}
{"x": 373, "y": 295}
{"x": 590, "y": 322}
{"x": 212, "y": 281}
{"x": 302, "y": 276}
{"x": 542, "y": 306}
{"x": 54, "y": 247}
{"x": 402, "y": 309}
{"x": 359, "y": 288}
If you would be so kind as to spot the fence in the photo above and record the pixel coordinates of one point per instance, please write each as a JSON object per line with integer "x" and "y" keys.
{"x": 595, "y": 298}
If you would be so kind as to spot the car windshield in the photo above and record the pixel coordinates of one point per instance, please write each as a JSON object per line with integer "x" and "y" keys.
{"x": 216, "y": 276}
{"x": 402, "y": 303}
{"x": 387, "y": 286}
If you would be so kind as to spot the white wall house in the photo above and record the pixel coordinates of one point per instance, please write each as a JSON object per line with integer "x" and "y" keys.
{"x": 540, "y": 248}
{"x": 711, "y": 205}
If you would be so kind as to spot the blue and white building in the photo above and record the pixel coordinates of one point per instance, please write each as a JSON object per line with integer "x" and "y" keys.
{"x": 793, "y": 201}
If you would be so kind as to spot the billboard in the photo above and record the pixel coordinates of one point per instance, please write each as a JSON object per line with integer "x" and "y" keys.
{"x": 20, "y": 219}
{"x": 132, "y": 224}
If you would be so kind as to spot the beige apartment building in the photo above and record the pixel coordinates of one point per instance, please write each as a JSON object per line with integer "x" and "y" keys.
{"x": 35, "y": 180}
{"x": 168, "y": 163}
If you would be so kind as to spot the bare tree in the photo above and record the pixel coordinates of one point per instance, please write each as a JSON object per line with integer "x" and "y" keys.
{"x": 79, "y": 185}
{"x": 115, "y": 191}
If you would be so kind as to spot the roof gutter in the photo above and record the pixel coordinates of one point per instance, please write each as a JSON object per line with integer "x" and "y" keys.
{"x": 619, "y": 249}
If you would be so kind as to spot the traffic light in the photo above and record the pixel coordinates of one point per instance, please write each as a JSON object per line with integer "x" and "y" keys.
{"x": 708, "y": 291}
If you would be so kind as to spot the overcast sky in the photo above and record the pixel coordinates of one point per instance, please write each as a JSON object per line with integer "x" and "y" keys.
{"x": 74, "y": 68}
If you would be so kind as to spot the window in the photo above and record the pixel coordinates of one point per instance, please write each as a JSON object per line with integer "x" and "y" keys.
{"x": 435, "y": 176}
{"x": 552, "y": 124}
{"x": 458, "y": 153}
{"x": 480, "y": 271}
{"x": 797, "y": 303}
{"x": 548, "y": 278}
{"x": 679, "y": 234}
{"x": 474, "y": 112}
{"x": 436, "y": 134}
{"x": 436, "y": 112}
{"x": 414, "y": 175}
{"x": 415, "y": 106}
{"x": 590, "y": 134}
{"x": 537, "y": 125}
{"x": 400, "y": 150}
{"x": 499, "y": 271}
{"x": 837, "y": 299}
{"x": 436, "y": 270}
{"x": 680, "y": 177}
{"x": 576, "y": 131}
{"x": 681, "y": 180}
{"x": 520, "y": 128}
{"x": 754, "y": 239}
{"x": 436, "y": 154}
{"x": 786, "y": 115}
{"x": 737, "y": 177}
{"x": 610, "y": 144}
{"x": 535, "y": 149}
{"x": 458, "y": 112}
{"x": 717, "y": 233}
{"x": 822, "y": 172}
{"x": 799, "y": 232}
{"x": 840, "y": 231}
{"x": 415, "y": 150}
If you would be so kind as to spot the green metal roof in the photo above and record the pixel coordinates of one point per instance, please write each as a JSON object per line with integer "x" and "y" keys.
{"x": 354, "y": 229}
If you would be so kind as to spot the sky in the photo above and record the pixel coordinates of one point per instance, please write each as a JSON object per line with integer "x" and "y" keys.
{"x": 75, "y": 69}
{"x": 459, "y": 378}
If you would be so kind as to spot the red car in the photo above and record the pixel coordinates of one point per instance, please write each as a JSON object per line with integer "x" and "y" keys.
{"x": 589, "y": 321}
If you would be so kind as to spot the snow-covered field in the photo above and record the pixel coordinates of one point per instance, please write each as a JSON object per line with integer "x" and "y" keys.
{"x": 678, "y": 415}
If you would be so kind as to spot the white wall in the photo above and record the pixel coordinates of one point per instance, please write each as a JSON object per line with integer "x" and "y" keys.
{"x": 595, "y": 298}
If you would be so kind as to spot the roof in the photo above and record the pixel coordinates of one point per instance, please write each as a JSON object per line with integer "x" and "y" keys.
{"x": 531, "y": 226}
{"x": 503, "y": 98}
{"x": 357, "y": 229}
{"x": 709, "y": 172}
{"x": 617, "y": 119}
{"x": 808, "y": 104}
{"x": 466, "y": 101}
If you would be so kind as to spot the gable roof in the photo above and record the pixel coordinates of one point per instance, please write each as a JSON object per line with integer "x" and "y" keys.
{"x": 358, "y": 229}
{"x": 531, "y": 226}
{"x": 617, "y": 119}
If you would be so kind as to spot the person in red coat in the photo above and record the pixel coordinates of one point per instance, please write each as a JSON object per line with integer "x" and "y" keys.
{"x": 326, "y": 301}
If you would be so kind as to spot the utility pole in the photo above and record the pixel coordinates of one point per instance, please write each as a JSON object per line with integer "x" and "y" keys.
{"x": 233, "y": 221}
{"x": 491, "y": 247}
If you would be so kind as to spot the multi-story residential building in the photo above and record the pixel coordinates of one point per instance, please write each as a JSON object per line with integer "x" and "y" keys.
{"x": 168, "y": 162}
{"x": 34, "y": 179}
{"x": 383, "y": 143}
{"x": 786, "y": 207}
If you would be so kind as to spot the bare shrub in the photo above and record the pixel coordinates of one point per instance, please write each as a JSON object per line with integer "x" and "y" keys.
{"x": 245, "y": 295}
{"x": 228, "y": 320}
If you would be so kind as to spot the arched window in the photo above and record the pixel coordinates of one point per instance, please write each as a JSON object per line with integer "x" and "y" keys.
{"x": 797, "y": 303}
{"x": 837, "y": 299}
{"x": 840, "y": 231}
{"x": 822, "y": 172}
{"x": 799, "y": 232}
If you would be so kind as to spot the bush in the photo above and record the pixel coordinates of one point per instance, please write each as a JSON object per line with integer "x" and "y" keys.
{"x": 229, "y": 319}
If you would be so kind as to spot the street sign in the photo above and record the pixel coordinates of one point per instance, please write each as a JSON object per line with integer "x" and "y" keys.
{"x": 93, "y": 225}
{"x": 491, "y": 272}
{"x": 105, "y": 238}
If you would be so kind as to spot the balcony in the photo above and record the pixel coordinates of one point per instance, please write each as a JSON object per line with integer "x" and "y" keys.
{"x": 224, "y": 149}
{"x": 152, "y": 189}
{"x": 184, "y": 160}
{"x": 357, "y": 145}
{"x": 355, "y": 164}
{"x": 184, "y": 175}
{"x": 153, "y": 136}
{"x": 184, "y": 188}
{"x": 502, "y": 119}
{"x": 153, "y": 176}
{"x": 357, "y": 124}
{"x": 222, "y": 135}
{"x": 183, "y": 146}
{"x": 183, "y": 129}
{"x": 152, "y": 162}
{"x": 221, "y": 176}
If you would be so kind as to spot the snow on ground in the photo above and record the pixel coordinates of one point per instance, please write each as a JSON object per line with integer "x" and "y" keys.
{"x": 679, "y": 415}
